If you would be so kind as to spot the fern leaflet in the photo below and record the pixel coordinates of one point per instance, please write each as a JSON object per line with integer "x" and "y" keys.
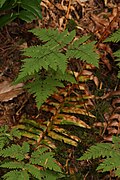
{"x": 115, "y": 37}
{"x": 52, "y": 57}
{"x": 16, "y": 151}
{"x": 44, "y": 158}
{"x": 19, "y": 175}
{"x": 97, "y": 151}
{"x": 110, "y": 152}
{"x": 84, "y": 52}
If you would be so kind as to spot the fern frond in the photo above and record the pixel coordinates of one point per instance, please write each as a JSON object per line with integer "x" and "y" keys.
{"x": 63, "y": 76}
{"x": 110, "y": 152}
{"x": 13, "y": 165}
{"x": 42, "y": 89}
{"x": 68, "y": 105}
{"x": 54, "y": 37}
{"x": 34, "y": 171}
{"x": 115, "y": 37}
{"x": 51, "y": 175}
{"x": 43, "y": 57}
{"x": 19, "y": 175}
{"x": 97, "y": 151}
{"x": 109, "y": 164}
{"x": 117, "y": 54}
{"x": 6, "y": 136}
{"x": 52, "y": 57}
{"x": 45, "y": 159}
{"x": 84, "y": 52}
{"x": 16, "y": 151}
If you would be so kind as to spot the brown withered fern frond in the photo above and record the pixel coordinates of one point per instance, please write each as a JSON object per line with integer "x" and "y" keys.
{"x": 68, "y": 108}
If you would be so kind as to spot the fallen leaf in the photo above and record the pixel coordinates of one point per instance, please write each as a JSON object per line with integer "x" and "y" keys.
{"x": 9, "y": 91}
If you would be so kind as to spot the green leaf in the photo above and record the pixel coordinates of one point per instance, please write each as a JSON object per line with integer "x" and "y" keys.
{"x": 5, "y": 19}
{"x": 26, "y": 16}
{"x": 51, "y": 175}
{"x": 2, "y": 2}
{"x": 8, "y": 5}
{"x": 84, "y": 52}
{"x": 15, "y": 132}
{"x": 117, "y": 54}
{"x": 33, "y": 6}
{"x": 16, "y": 175}
{"x": 13, "y": 165}
{"x": 114, "y": 37}
{"x": 16, "y": 151}
{"x": 42, "y": 89}
{"x": 34, "y": 171}
{"x": 44, "y": 158}
{"x": 97, "y": 151}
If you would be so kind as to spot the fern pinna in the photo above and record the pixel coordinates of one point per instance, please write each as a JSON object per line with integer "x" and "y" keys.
{"x": 67, "y": 111}
{"x": 46, "y": 65}
{"x": 115, "y": 38}
{"x": 110, "y": 152}
{"x": 24, "y": 162}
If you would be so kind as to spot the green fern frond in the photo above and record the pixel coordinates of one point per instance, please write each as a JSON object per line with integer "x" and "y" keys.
{"x": 97, "y": 151}
{"x": 6, "y": 136}
{"x": 54, "y": 37}
{"x": 45, "y": 159}
{"x": 13, "y": 165}
{"x": 34, "y": 171}
{"x": 52, "y": 57}
{"x": 117, "y": 59}
{"x": 109, "y": 164}
{"x": 84, "y": 52}
{"x": 117, "y": 54}
{"x": 43, "y": 57}
{"x": 42, "y": 89}
{"x": 13, "y": 175}
{"x": 109, "y": 151}
{"x": 16, "y": 151}
{"x": 115, "y": 37}
{"x": 51, "y": 175}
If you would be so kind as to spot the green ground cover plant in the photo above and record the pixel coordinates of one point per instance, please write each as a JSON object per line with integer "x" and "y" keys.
{"x": 45, "y": 69}
{"x": 12, "y": 9}
{"x": 109, "y": 152}
{"x": 24, "y": 161}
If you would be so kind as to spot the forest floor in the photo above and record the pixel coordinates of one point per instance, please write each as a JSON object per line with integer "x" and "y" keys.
{"x": 98, "y": 18}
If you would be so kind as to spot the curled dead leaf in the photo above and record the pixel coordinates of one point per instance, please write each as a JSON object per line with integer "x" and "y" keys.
{"x": 9, "y": 91}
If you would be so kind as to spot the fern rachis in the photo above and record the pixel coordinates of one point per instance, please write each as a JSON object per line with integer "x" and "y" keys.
{"x": 53, "y": 57}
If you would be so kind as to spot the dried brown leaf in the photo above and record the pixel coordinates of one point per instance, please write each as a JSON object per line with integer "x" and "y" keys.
{"x": 64, "y": 119}
{"x": 76, "y": 110}
{"x": 9, "y": 91}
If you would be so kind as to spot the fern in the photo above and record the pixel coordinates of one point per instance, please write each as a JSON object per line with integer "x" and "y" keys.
{"x": 44, "y": 158}
{"x": 110, "y": 153}
{"x": 16, "y": 151}
{"x": 47, "y": 64}
{"x": 115, "y": 38}
{"x": 117, "y": 54}
{"x": 6, "y": 136}
{"x": 19, "y": 175}
{"x": 84, "y": 52}
{"x": 22, "y": 162}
